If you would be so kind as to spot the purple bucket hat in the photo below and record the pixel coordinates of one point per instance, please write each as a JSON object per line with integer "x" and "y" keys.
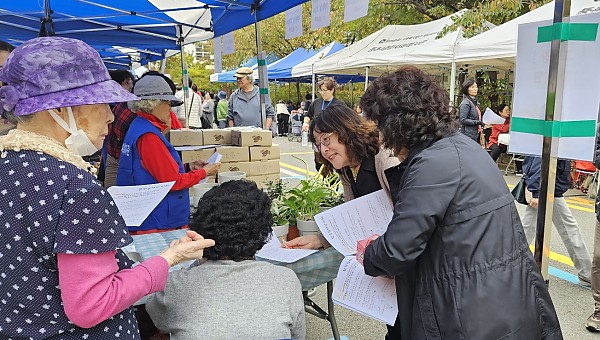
{"x": 53, "y": 72}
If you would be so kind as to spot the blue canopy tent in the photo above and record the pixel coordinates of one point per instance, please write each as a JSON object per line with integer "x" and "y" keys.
{"x": 283, "y": 69}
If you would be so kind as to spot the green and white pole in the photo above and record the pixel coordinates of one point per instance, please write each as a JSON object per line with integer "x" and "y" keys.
{"x": 184, "y": 78}
{"x": 263, "y": 81}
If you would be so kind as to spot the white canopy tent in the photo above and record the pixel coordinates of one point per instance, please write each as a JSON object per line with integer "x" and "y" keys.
{"x": 305, "y": 68}
{"x": 392, "y": 46}
{"x": 498, "y": 46}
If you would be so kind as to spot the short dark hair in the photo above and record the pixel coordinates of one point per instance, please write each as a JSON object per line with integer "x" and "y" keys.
{"x": 329, "y": 83}
{"x": 4, "y": 46}
{"x": 358, "y": 134}
{"x": 194, "y": 87}
{"x": 237, "y": 215}
{"x": 465, "y": 86}
{"x": 501, "y": 107}
{"x": 120, "y": 76}
{"x": 409, "y": 107}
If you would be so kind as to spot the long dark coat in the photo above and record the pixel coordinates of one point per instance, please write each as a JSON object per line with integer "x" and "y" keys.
{"x": 457, "y": 250}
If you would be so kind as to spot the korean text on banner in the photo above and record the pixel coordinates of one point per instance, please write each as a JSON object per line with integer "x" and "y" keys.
{"x": 354, "y": 9}
{"x": 321, "y": 11}
{"x": 293, "y": 22}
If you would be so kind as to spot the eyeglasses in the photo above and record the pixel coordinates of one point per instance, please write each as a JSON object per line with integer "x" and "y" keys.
{"x": 324, "y": 140}
{"x": 321, "y": 90}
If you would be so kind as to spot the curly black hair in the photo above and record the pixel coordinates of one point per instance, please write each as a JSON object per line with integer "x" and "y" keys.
{"x": 237, "y": 215}
{"x": 360, "y": 135}
{"x": 409, "y": 107}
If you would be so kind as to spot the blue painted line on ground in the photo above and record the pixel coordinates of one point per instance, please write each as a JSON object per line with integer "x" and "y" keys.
{"x": 297, "y": 177}
{"x": 564, "y": 275}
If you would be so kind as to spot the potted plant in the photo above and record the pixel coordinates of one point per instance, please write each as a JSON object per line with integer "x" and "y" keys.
{"x": 282, "y": 214}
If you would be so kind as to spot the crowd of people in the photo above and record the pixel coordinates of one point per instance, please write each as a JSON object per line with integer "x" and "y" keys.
{"x": 455, "y": 244}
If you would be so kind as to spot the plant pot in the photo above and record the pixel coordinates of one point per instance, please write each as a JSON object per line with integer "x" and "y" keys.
{"x": 307, "y": 227}
{"x": 293, "y": 233}
{"x": 322, "y": 209}
{"x": 199, "y": 190}
{"x": 281, "y": 231}
{"x": 231, "y": 176}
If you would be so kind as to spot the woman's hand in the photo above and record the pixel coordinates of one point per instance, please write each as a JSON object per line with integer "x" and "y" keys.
{"x": 361, "y": 247}
{"x": 189, "y": 247}
{"x": 211, "y": 169}
{"x": 534, "y": 203}
{"x": 304, "y": 242}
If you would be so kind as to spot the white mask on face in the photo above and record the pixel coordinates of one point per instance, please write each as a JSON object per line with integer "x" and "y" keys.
{"x": 78, "y": 142}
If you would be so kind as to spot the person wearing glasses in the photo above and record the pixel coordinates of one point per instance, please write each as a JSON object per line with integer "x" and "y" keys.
{"x": 348, "y": 144}
{"x": 244, "y": 103}
{"x": 147, "y": 157}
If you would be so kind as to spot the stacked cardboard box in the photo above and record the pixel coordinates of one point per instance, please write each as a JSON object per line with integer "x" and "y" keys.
{"x": 249, "y": 150}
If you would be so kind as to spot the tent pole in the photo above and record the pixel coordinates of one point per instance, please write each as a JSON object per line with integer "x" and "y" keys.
{"x": 452, "y": 82}
{"x": 366, "y": 78}
{"x": 554, "y": 100}
{"x": 163, "y": 65}
{"x": 312, "y": 70}
{"x": 184, "y": 78}
{"x": 261, "y": 56}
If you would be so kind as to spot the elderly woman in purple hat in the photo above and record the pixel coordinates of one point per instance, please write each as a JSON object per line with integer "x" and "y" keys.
{"x": 62, "y": 271}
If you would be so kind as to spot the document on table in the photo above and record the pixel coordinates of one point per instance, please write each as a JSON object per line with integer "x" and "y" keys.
{"x": 374, "y": 297}
{"x": 136, "y": 202}
{"x": 490, "y": 117}
{"x": 195, "y": 147}
{"x": 215, "y": 158}
{"x": 355, "y": 220}
{"x": 273, "y": 251}
{"x": 343, "y": 226}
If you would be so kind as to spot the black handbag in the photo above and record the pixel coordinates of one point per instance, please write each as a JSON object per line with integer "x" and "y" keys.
{"x": 519, "y": 192}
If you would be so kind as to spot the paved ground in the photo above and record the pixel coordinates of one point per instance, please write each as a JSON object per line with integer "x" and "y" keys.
{"x": 573, "y": 302}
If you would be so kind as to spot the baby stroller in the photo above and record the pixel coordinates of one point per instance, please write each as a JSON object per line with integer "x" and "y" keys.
{"x": 296, "y": 131}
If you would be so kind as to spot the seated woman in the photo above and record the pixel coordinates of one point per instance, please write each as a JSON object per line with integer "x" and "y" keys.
{"x": 147, "y": 157}
{"x": 230, "y": 295}
{"x": 495, "y": 147}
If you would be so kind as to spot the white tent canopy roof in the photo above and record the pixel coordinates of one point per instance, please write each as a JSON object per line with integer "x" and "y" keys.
{"x": 304, "y": 69}
{"x": 392, "y": 46}
{"x": 498, "y": 46}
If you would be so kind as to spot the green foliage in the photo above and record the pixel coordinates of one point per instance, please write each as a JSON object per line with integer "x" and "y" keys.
{"x": 277, "y": 191}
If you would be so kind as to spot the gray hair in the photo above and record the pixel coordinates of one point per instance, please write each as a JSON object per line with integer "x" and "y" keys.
{"x": 144, "y": 105}
{"x": 250, "y": 78}
{"x": 14, "y": 119}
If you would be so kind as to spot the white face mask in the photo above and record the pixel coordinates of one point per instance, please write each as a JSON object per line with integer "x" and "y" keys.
{"x": 78, "y": 142}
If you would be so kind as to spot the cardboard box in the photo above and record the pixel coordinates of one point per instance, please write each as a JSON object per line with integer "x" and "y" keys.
{"x": 259, "y": 153}
{"x": 264, "y": 167}
{"x": 234, "y": 153}
{"x": 237, "y": 166}
{"x": 261, "y": 181}
{"x": 216, "y": 136}
{"x": 194, "y": 155}
{"x": 186, "y": 137}
{"x": 251, "y": 137}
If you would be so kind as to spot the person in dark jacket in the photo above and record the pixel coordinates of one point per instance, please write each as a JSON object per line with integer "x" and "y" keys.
{"x": 470, "y": 113}
{"x": 455, "y": 244}
{"x": 562, "y": 218}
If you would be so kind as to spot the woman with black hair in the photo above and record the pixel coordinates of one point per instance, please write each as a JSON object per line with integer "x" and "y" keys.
{"x": 229, "y": 295}
{"x": 470, "y": 113}
{"x": 455, "y": 244}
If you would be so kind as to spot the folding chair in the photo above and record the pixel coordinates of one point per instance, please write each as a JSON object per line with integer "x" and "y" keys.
{"x": 514, "y": 158}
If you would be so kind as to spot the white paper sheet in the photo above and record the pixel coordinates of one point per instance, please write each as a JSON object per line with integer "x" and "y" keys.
{"x": 490, "y": 117}
{"x": 355, "y": 220}
{"x": 374, "y": 297}
{"x": 215, "y": 158}
{"x": 273, "y": 251}
{"x": 136, "y": 202}
{"x": 293, "y": 22}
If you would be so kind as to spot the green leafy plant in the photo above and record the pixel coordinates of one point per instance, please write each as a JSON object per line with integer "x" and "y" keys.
{"x": 277, "y": 191}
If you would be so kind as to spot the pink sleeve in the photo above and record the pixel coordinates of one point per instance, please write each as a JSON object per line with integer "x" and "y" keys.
{"x": 92, "y": 290}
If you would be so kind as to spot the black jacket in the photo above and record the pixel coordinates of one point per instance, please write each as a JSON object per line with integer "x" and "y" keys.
{"x": 469, "y": 119}
{"x": 532, "y": 167}
{"x": 458, "y": 252}
{"x": 317, "y": 106}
